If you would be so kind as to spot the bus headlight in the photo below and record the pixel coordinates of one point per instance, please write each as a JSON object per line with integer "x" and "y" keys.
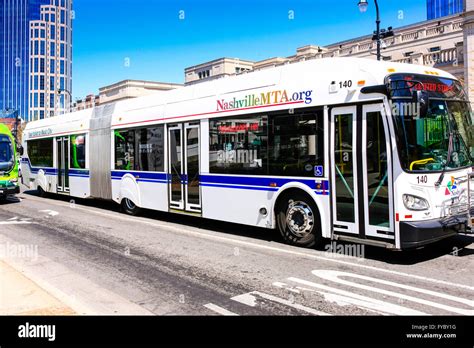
{"x": 415, "y": 203}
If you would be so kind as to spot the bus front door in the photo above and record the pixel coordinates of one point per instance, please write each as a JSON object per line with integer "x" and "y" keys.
{"x": 184, "y": 167}
{"x": 62, "y": 151}
{"x": 361, "y": 180}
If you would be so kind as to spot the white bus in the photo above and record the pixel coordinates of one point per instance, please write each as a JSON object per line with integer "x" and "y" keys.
{"x": 342, "y": 148}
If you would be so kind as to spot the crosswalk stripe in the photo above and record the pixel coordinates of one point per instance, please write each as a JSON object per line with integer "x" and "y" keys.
{"x": 219, "y": 310}
{"x": 250, "y": 299}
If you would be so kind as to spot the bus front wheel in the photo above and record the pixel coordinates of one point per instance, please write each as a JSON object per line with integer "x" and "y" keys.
{"x": 298, "y": 219}
{"x": 130, "y": 208}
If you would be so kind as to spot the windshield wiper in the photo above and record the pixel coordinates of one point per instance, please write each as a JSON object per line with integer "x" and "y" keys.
{"x": 448, "y": 159}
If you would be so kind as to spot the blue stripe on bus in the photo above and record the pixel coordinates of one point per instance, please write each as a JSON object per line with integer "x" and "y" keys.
{"x": 320, "y": 187}
{"x": 82, "y": 173}
{"x": 314, "y": 184}
{"x": 142, "y": 176}
{"x": 255, "y": 188}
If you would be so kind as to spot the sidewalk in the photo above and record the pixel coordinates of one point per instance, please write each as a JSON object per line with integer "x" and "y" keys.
{"x": 21, "y": 296}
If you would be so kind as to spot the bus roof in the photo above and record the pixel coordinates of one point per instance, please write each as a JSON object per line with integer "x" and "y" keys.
{"x": 302, "y": 84}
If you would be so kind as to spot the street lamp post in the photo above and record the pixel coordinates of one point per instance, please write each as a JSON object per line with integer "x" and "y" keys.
{"x": 378, "y": 34}
{"x": 60, "y": 91}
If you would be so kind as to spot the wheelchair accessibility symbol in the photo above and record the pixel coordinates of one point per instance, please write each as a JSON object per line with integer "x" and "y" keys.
{"x": 318, "y": 171}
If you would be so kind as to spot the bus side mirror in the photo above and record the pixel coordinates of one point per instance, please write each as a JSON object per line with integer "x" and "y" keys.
{"x": 421, "y": 100}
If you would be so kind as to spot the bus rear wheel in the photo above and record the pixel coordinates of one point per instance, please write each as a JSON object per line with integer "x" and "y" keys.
{"x": 298, "y": 220}
{"x": 130, "y": 208}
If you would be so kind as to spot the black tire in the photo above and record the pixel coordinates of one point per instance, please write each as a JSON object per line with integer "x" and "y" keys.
{"x": 130, "y": 208}
{"x": 300, "y": 209}
{"x": 41, "y": 193}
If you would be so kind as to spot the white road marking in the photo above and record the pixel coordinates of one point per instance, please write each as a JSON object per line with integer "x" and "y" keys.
{"x": 261, "y": 246}
{"x": 250, "y": 299}
{"x": 49, "y": 212}
{"x": 347, "y": 301}
{"x": 286, "y": 287}
{"x": 14, "y": 222}
{"x": 356, "y": 299}
{"x": 219, "y": 310}
{"x": 335, "y": 276}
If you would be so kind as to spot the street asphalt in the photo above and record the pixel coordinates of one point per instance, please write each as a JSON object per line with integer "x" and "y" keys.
{"x": 96, "y": 260}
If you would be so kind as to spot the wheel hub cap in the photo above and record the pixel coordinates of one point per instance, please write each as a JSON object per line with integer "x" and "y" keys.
{"x": 300, "y": 218}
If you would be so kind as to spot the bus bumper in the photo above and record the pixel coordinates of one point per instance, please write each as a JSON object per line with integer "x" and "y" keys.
{"x": 419, "y": 233}
{"x": 6, "y": 191}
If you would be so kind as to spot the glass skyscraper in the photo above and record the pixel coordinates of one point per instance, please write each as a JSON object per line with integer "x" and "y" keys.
{"x": 17, "y": 38}
{"x": 442, "y": 8}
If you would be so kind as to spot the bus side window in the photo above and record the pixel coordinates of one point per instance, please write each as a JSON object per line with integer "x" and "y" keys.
{"x": 125, "y": 150}
{"x": 78, "y": 151}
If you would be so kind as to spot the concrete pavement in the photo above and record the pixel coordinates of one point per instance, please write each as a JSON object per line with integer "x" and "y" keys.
{"x": 19, "y": 295}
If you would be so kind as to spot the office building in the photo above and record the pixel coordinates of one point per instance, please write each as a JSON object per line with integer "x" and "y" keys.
{"x": 50, "y": 58}
{"x": 123, "y": 90}
{"x": 15, "y": 16}
{"x": 443, "y": 8}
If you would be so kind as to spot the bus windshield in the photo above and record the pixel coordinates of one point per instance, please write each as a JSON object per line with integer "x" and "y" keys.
{"x": 443, "y": 139}
{"x": 6, "y": 154}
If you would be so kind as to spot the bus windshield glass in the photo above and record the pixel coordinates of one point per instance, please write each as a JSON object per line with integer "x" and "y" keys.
{"x": 6, "y": 154}
{"x": 443, "y": 138}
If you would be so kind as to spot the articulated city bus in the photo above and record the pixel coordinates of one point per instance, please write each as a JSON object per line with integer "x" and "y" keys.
{"x": 8, "y": 164}
{"x": 343, "y": 148}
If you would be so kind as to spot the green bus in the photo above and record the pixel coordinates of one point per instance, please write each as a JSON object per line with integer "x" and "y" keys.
{"x": 8, "y": 164}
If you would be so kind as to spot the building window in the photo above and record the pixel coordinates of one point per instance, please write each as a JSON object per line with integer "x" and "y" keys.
{"x": 42, "y": 50}
{"x": 43, "y": 33}
{"x": 62, "y": 34}
{"x": 61, "y": 67}
{"x": 140, "y": 149}
{"x": 40, "y": 152}
{"x": 36, "y": 82}
{"x": 63, "y": 17}
{"x": 408, "y": 54}
{"x": 62, "y": 51}
{"x": 52, "y": 51}
{"x": 52, "y": 32}
{"x": 51, "y": 83}
{"x": 41, "y": 87}
{"x": 41, "y": 103}
{"x": 41, "y": 114}
{"x": 78, "y": 151}
{"x": 52, "y": 65}
{"x": 51, "y": 99}
{"x": 42, "y": 65}
{"x": 435, "y": 49}
{"x": 204, "y": 74}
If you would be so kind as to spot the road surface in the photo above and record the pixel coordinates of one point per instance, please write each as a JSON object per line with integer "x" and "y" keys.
{"x": 99, "y": 261}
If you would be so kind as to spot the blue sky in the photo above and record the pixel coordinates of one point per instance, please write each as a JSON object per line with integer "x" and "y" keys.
{"x": 158, "y": 45}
